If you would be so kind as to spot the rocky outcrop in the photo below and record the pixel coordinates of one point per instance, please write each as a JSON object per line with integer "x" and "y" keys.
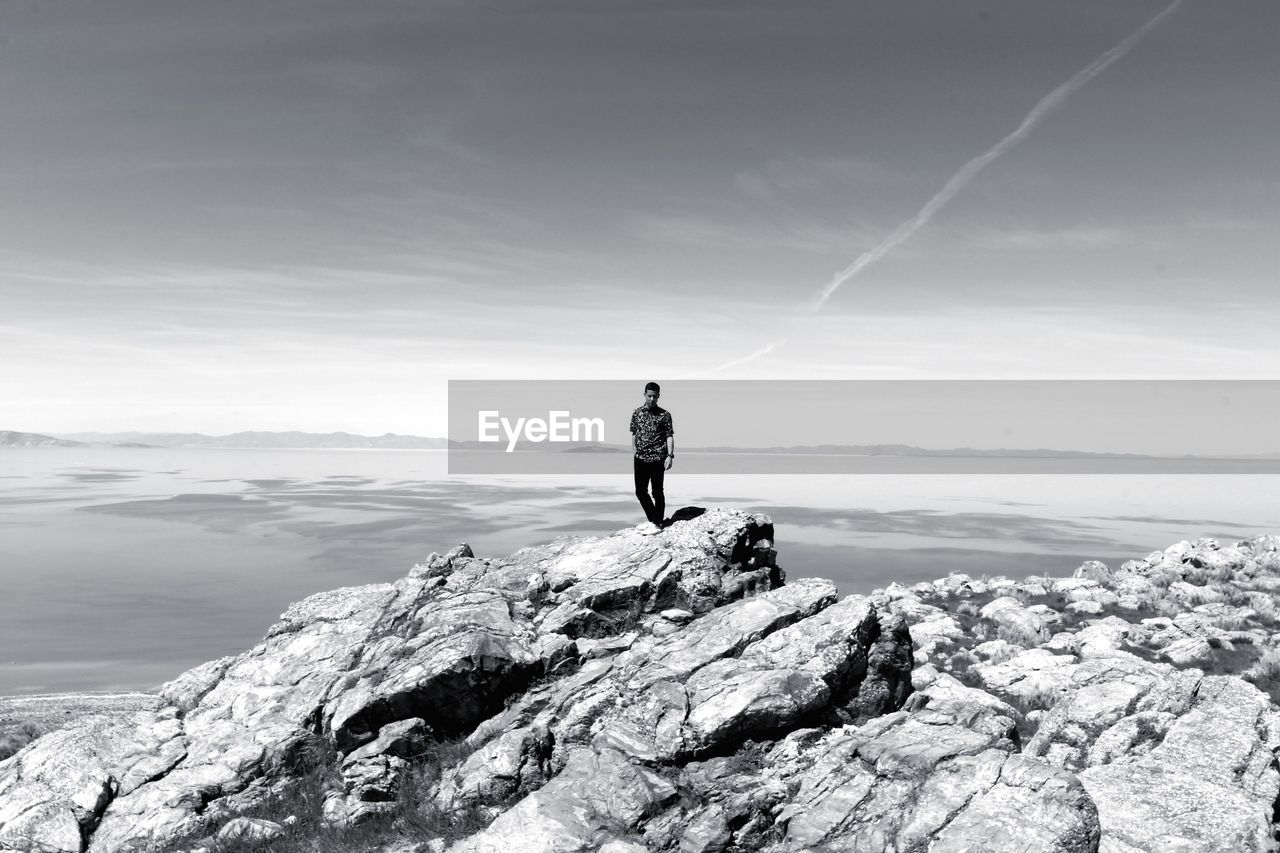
{"x": 1154, "y": 716}
{"x": 691, "y": 646}
{"x": 673, "y": 691}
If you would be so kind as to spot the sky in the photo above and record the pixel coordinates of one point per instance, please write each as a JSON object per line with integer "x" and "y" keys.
{"x": 308, "y": 214}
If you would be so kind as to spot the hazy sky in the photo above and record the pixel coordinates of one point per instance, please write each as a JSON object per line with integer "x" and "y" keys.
{"x": 309, "y": 215}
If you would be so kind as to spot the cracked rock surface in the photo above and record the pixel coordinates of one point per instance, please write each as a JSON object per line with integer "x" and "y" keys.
{"x": 673, "y": 691}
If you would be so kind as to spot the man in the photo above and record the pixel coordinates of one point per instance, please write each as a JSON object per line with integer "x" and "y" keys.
{"x": 653, "y": 441}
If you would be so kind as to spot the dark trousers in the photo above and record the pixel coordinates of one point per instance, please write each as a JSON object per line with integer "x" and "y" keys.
{"x": 647, "y": 472}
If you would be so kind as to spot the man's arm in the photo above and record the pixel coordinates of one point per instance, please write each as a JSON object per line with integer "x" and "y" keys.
{"x": 671, "y": 443}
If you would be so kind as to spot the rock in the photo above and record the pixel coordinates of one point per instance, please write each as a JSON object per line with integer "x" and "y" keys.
{"x": 931, "y": 786}
{"x": 1144, "y": 807}
{"x": 1190, "y": 594}
{"x": 403, "y": 739}
{"x": 65, "y": 780}
{"x": 1085, "y": 607}
{"x": 1102, "y": 638}
{"x": 1068, "y": 730}
{"x": 606, "y": 646}
{"x": 670, "y": 691}
{"x": 1188, "y": 650}
{"x": 993, "y": 651}
{"x": 1076, "y": 586}
{"x": 887, "y": 682}
{"x": 1034, "y": 676}
{"x": 1095, "y": 571}
{"x": 1016, "y": 623}
{"x": 514, "y": 762}
{"x": 581, "y": 808}
{"x": 942, "y": 700}
{"x": 437, "y": 565}
{"x": 687, "y": 697}
{"x": 186, "y": 691}
{"x": 1130, "y": 738}
{"x": 250, "y": 831}
{"x": 447, "y": 645}
{"x": 933, "y": 634}
{"x": 709, "y": 833}
{"x": 754, "y": 669}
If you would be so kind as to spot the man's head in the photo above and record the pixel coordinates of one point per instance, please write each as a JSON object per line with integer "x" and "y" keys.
{"x": 651, "y": 392}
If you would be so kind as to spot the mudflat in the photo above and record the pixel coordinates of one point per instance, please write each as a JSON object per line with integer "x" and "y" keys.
{"x": 45, "y": 712}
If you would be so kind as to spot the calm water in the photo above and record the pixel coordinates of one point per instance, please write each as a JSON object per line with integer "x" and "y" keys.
{"x": 121, "y": 568}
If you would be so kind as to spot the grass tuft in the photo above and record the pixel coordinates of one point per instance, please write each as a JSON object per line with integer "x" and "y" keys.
{"x": 14, "y": 740}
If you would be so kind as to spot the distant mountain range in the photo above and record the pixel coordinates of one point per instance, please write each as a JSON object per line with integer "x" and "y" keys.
{"x": 392, "y": 441}
{"x": 8, "y": 438}
{"x": 280, "y": 440}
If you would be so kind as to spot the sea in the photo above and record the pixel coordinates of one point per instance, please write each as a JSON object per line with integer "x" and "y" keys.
{"x": 122, "y": 567}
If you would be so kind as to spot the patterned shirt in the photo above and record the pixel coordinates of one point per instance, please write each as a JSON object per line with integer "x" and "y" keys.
{"x": 651, "y": 429}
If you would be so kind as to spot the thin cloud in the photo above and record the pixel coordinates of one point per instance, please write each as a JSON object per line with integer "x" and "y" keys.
{"x": 970, "y": 170}
{"x": 744, "y": 230}
{"x": 1036, "y": 240}
{"x": 763, "y": 351}
{"x": 782, "y": 176}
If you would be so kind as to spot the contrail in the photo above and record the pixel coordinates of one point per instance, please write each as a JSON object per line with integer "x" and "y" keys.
{"x": 970, "y": 170}
{"x": 764, "y": 350}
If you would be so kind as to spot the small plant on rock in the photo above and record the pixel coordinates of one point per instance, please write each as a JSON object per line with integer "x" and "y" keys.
{"x": 12, "y": 741}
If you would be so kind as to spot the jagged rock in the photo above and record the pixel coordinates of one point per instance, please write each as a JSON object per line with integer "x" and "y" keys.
{"x": 940, "y": 699}
{"x": 1095, "y": 570}
{"x": 1101, "y": 638}
{"x": 60, "y": 785}
{"x": 900, "y": 784}
{"x": 684, "y": 696}
{"x": 186, "y": 691}
{"x": 515, "y": 761}
{"x": 465, "y": 656}
{"x": 1129, "y": 738}
{"x": 1209, "y": 784}
{"x": 935, "y": 633}
{"x": 888, "y": 671}
{"x": 669, "y": 691}
{"x": 1035, "y": 676}
{"x": 606, "y": 646}
{"x": 403, "y": 739}
{"x": 1086, "y": 606}
{"x": 1188, "y": 650}
{"x": 1024, "y": 626}
{"x": 448, "y": 645}
{"x": 249, "y": 830}
{"x": 437, "y": 565}
{"x": 752, "y": 669}
{"x": 597, "y": 792}
{"x": 992, "y": 651}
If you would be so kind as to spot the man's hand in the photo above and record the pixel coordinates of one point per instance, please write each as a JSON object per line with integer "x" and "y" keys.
{"x": 666, "y": 465}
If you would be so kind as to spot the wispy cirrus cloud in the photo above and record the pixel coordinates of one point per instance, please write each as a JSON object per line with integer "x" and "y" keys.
{"x": 797, "y": 174}
{"x": 747, "y": 230}
{"x": 1073, "y": 238}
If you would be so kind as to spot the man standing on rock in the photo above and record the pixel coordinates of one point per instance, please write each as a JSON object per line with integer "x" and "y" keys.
{"x": 653, "y": 440}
